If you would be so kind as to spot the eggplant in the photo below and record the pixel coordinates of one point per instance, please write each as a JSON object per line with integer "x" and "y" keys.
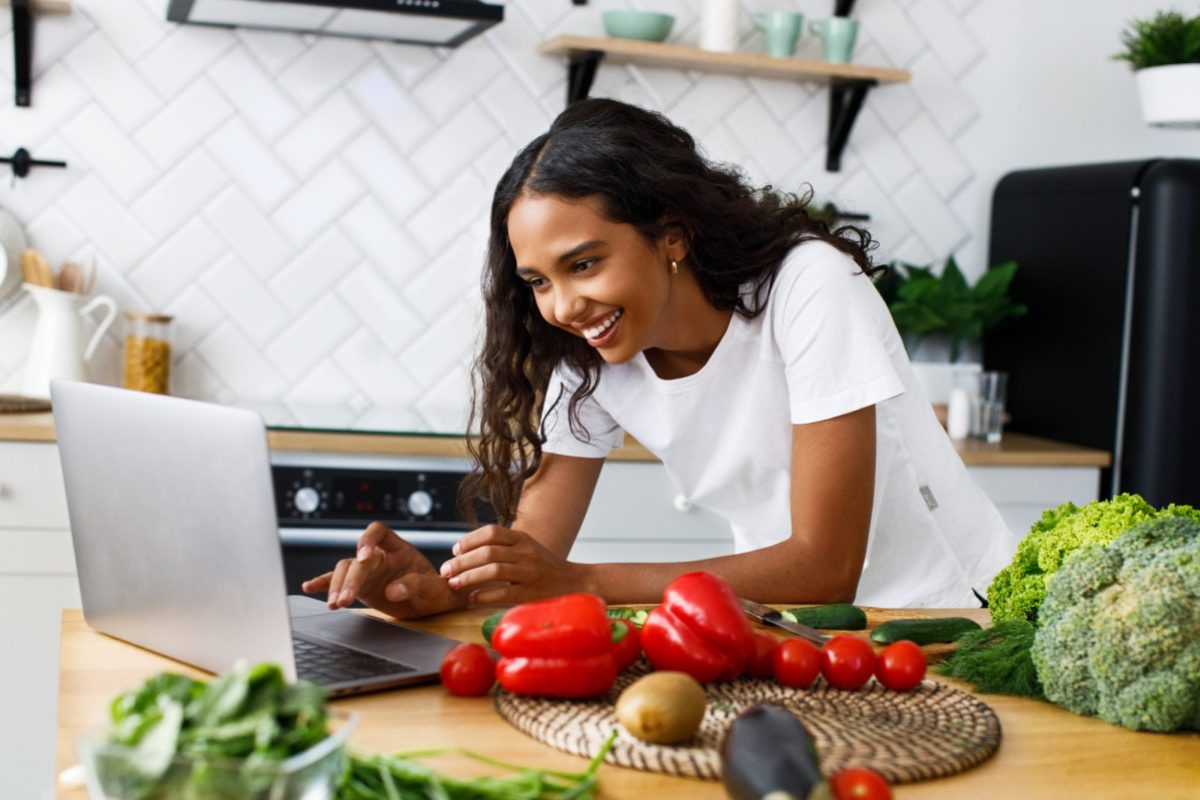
{"x": 768, "y": 754}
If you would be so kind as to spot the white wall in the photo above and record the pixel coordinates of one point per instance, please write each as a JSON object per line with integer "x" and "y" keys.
{"x": 313, "y": 210}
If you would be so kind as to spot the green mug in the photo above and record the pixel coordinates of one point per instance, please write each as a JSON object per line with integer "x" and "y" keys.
{"x": 782, "y": 29}
{"x": 837, "y": 36}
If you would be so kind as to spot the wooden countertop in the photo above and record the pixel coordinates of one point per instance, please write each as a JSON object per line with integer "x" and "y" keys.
{"x": 1016, "y": 449}
{"x": 1045, "y": 752}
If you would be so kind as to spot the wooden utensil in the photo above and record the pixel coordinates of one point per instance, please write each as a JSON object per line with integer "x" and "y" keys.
{"x": 70, "y": 277}
{"x": 36, "y": 270}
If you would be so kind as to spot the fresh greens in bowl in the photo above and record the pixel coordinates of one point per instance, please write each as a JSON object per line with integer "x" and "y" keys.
{"x": 247, "y": 734}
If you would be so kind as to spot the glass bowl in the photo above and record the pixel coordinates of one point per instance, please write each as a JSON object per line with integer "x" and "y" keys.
{"x": 112, "y": 771}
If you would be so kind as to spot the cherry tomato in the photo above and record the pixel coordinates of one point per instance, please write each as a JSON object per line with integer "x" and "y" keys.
{"x": 761, "y": 664}
{"x": 468, "y": 670}
{"x": 859, "y": 784}
{"x": 847, "y": 662}
{"x": 796, "y": 663}
{"x": 901, "y": 666}
{"x": 629, "y": 649}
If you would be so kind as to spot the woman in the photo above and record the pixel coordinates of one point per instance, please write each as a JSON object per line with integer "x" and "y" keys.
{"x": 631, "y": 286}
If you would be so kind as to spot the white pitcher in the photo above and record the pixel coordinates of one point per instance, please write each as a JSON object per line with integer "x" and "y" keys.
{"x": 57, "y": 350}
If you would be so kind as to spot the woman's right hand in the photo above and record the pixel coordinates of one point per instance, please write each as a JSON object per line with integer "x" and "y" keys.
{"x": 387, "y": 574}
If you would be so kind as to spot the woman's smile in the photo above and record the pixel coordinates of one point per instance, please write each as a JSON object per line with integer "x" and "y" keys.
{"x": 603, "y": 333}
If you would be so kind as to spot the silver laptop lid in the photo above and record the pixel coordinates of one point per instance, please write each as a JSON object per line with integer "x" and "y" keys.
{"x": 174, "y": 527}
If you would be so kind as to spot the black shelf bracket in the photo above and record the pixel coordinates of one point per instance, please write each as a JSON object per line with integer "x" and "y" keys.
{"x": 23, "y": 160}
{"x": 22, "y": 26}
{"x": 842, "y": 8}
{"x": 581, "y": 71}
{"x": 845, "y": 101}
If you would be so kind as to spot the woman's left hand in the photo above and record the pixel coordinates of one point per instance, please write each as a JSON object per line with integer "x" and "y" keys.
{"x": 501, "y": 565}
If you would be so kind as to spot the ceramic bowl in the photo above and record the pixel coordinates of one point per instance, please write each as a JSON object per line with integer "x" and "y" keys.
{"x": 647, "y": 26}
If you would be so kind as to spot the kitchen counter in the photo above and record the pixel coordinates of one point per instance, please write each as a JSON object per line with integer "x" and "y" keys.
{"x": 1016, "y": 449}
{"x": 1045, "y": 752}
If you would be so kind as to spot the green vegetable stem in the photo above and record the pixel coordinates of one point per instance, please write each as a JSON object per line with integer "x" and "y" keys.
{"x": 403, "y": 777}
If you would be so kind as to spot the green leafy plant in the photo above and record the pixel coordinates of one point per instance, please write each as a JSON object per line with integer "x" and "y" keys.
{"x": 923, "y": 303}
{"x": 1167, "y": 38}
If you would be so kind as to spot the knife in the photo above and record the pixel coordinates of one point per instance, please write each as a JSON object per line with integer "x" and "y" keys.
{"x": 769, "y": 616}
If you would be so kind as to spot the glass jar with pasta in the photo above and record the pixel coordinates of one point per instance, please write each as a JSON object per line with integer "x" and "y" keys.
{"x": 147, "y": 352}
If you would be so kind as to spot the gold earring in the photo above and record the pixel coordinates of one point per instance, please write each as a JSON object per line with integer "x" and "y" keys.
{"x": 674, "y": 267}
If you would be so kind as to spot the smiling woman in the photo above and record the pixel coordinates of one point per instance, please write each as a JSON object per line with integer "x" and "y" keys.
{"x": 633, "y": 286}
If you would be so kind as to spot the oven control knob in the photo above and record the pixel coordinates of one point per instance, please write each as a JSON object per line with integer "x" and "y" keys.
{"x": 420, "y": 503}
{"x": 306, "y": 500}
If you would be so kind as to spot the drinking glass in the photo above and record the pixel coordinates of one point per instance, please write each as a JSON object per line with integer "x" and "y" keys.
{"x": 987, "y": 407}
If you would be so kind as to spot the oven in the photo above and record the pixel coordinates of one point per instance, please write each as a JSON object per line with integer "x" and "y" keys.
{"x": 325, "y": 501}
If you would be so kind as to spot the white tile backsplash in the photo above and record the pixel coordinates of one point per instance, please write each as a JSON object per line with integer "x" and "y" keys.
{"x": 247, "y": 302}
{"x": 251, "y": 163}
{"x": 251, "y": 235}
{"x": 315, "y": 270}
{"x": 183, "y": 123}
{"x": 320, "y": 135}
{"x": 177, "y": 263}
{"x": 178, "y": 192}
{"x": 112, "y": 81}
{"x": 252, "y": 90}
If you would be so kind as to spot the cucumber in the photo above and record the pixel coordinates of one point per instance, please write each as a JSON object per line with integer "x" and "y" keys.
{"x": 489, "y": 625}
{"x": 835, "y": 616}
{"x": 924, "y": 631}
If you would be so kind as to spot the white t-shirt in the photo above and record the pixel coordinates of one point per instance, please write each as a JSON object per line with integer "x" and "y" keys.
{"x": 825, "y": 346}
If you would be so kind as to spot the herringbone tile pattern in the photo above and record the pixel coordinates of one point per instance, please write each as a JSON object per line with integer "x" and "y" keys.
{"x": 314, "y": 210}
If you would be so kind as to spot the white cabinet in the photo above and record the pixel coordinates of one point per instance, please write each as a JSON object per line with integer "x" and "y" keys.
{"x": 37, "y": 581}
{"x": 636, "y": 515}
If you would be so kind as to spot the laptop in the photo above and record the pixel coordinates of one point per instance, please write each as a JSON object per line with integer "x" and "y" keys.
{"x": 177, "y": 545}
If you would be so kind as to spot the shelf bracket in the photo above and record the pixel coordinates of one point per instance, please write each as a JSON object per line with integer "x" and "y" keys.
{"x": 22, "y": 160}
{"x": 845, "y": 101}
{"x": 22, "y": 26}
{"x": 842, "y": 8}
{"x": 581, "y": 71}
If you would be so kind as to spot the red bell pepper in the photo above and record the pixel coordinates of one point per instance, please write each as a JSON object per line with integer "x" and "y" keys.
{"x": 699, "y": 629}
{"x": 560, "y": 647}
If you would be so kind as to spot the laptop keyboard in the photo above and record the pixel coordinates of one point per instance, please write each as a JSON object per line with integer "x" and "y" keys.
{"x": 327, "y": 665}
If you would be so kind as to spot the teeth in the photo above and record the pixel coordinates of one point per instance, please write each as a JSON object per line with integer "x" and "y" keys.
{"x": 595, "y": 333}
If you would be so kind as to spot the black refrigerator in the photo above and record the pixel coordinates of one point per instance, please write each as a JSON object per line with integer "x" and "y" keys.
{"x": 1109, "y": 354}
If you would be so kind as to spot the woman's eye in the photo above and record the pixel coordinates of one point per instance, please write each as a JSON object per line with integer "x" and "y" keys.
{"x": 536, "y": 283}
{"x": 584, "y": 265}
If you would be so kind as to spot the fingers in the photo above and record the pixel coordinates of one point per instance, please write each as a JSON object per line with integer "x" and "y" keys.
{"x": 360, "y": 578}
{"x": 378, "y": 535}
{"x": 487, "y": 554}
{"x": 487, "y": 535}
{"x": 487, "y": 573}
{"x": 335, "y": 582}
{"x": 317, "y": 584}
{"x": 419, "y": 594}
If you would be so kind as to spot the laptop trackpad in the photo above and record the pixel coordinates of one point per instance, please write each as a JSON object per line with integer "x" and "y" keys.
{"x": 349, "y": 628}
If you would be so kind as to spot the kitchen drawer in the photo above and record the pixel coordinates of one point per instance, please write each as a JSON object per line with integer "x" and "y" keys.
{"x": 36, "y": 551}
{"x": 31, "y": 486}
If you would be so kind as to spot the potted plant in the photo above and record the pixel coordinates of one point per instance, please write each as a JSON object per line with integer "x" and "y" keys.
{"x": 1164, "y": 52}
{"x": 949, "y": 311}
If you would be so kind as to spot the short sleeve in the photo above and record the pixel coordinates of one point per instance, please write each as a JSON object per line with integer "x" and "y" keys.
{"x": 833, "y": 331}
{"x": 599, "y": 433}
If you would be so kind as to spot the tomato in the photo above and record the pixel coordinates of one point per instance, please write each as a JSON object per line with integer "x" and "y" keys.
{"x": 629, "y": 649}
{"x": 859, "y": 784}
{"x": 761, "y": 663}
{"x": 796, "y": 663}
{"x": 468, "y": 670}
{"x": 847, "y": 662}
{"x": 901, "y": 666}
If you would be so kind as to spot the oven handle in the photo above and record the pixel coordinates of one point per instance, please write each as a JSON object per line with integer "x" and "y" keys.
{"x": 346, "y": 537}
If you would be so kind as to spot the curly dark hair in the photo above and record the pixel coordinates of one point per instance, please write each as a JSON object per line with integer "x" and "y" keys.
{"x": 642, "y": 169}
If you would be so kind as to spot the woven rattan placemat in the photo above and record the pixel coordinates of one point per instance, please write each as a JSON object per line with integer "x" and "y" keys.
{"x": 16, "y": 404}
{"x": 930, "y": 732}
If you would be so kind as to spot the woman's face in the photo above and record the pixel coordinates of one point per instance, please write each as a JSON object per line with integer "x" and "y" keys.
{"x": 594, "y": 278}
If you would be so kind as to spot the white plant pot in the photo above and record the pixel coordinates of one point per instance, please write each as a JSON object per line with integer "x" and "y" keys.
{"x": 938, "y": 378}
{"x": 1170, "y": 95}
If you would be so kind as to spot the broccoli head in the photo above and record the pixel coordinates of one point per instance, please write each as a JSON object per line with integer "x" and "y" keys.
{"x": 1119, "y": 631}
{"x": 1018, "y": 589}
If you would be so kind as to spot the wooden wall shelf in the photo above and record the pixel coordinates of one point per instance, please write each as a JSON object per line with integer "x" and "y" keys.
{"x": 848, "y": 83}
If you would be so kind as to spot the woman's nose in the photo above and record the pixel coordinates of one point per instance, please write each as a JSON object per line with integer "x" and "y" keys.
{"x": 568, "y": 306}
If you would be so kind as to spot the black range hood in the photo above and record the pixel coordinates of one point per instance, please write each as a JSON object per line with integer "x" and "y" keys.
{"x": 445, "y": 23}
